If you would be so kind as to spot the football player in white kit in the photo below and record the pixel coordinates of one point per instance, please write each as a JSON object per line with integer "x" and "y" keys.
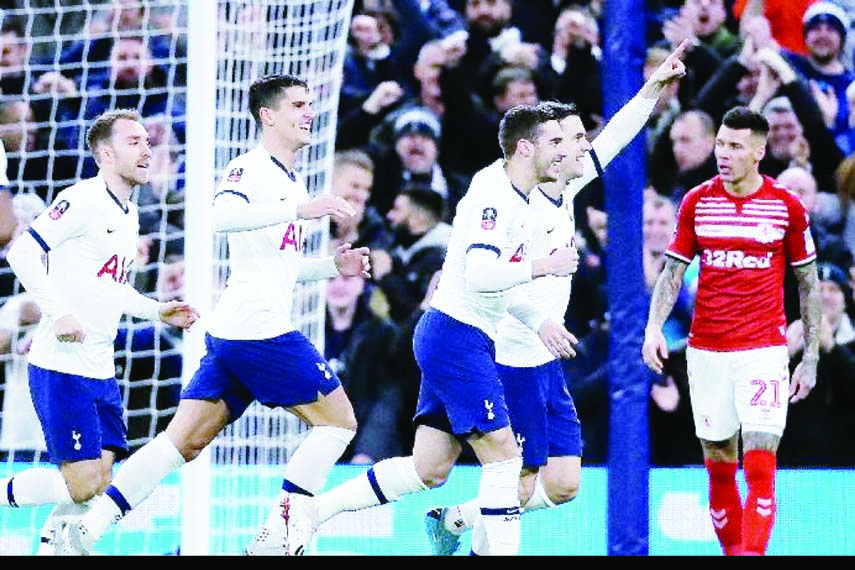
{"x": 543, "y": 415}
{"x": 253, "y": 350}
{"x": 88, "y": 239}
{"x": 461, "y": 398}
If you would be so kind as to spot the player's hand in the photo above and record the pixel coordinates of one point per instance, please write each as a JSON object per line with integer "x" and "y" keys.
{"x": 803, "y": 381}
{"x": 565, "y": 261}
{"x": 68, "y": 329}
{"x": 352, "y": 262}
{"x": 178, "y": 314}
{"x": 560, "y": 342}
{"x": 325, "y": 205}
{"x": 654, "y": 351}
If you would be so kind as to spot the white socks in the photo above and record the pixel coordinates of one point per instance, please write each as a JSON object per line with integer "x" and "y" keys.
{"x": 309, "y": 468}
{"x": 33, "y": 487}
{"x": 497, "y": 530}
{"x": 135, "y": 480}
{"x": 313, "y": 460}
{"x": 385, "y": 482}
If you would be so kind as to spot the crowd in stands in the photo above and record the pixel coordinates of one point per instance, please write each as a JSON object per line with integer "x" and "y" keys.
{"x": 424, "y": 85}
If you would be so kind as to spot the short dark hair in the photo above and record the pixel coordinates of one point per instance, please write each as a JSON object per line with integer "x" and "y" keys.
{"x": 742, "y": 117}
{"x": 101, "y": 128}
{"x": 521, "y": 122}
{"x": 426, "y": 198}
{"x": 559, "y": 111}
{"x": 267, "y": 90}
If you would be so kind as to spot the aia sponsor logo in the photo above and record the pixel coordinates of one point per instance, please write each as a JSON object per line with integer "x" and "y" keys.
{"x": 57, "y": 211}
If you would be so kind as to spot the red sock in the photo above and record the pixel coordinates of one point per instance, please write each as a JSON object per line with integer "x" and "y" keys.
{"x": 759, "y": 466}
{"x": 725, "y": 505}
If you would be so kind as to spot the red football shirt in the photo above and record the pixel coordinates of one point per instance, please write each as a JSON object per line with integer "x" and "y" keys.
{"x": 743, "y": 245}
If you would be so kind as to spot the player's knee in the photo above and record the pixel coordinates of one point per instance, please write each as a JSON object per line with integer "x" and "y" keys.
{"x": 435, "y": 475}
{"x": 564, "y": 487}
{"x": 564, "y": 493}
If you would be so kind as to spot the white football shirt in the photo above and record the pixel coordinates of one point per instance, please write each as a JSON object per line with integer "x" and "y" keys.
{"x": 516, "y": 344}
{"x": 264, "y": 262}
{"x": 91, "y": 244}
{"x": 494, "y": 216}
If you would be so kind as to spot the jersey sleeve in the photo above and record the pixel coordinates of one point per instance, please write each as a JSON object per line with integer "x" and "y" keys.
{"x": 798, "y": 241}
{"x": 685, "y": 242}
{"x": 66, "y": 218}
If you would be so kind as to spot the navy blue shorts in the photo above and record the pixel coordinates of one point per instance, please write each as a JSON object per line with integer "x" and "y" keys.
{"x": 460, "y": 392}
{"x": 283, "y": 371}
{"x": 80, "y": 416}
{"x": 543, "y": 415}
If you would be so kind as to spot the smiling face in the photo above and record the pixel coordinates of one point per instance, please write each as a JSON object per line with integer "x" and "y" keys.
{"x": 291, "y": 120}
{"x": 549, "y": 152}
{"x": 127, "y": 153}
{"x": 576, "y": 146}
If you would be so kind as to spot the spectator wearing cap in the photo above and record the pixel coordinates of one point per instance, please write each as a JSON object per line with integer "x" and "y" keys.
{"x": 821, "y": 429}
{"x": 825, "y": 26}
{"x": 413, "y": 156}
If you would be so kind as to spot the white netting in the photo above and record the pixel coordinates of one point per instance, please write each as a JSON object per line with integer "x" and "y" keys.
{"x": 306, "y": 38}
{"x": 75, "y": 59}
{"x": 63, "y": 63}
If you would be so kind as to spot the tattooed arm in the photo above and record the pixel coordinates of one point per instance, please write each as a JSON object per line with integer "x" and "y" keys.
{"x": 668, "y": 285}
{"x": 804, "y": 376}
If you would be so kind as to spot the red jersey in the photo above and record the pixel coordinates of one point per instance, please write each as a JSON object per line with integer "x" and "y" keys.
{"x": 743, "y": 245}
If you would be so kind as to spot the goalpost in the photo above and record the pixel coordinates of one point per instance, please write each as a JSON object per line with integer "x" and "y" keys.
{"x": 206, "y": 53}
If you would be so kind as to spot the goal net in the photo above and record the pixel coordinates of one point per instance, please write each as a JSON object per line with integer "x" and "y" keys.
{"x": 187, "y": 67}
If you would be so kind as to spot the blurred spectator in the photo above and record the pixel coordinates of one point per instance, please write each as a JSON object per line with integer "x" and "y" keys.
{"x": 404, "y": 271}
{"x": 32, "y": 166}
{"x": 821, "y": 207}
{"x": 575, "y": 64}
{"x": 702, "y": 60}
{"x": 705, "y": 21}
{"x": 123, "y": 18}
{"x": 14, "y": 55}
{"x": 798, "y": 135}
{"x": 132, "y": 82}
{"x": 784, "y": 16}
{"x": 357, "y": 345}
{"x": 691, "y": 159}
{"x": 820, "y": 428}
{"x": 24, "y": 209}
{"x": 413, "y": 156}
{"x": 825, "y": 29}
{"x": 353, "y": 180}
{"x": 161, "y": 200}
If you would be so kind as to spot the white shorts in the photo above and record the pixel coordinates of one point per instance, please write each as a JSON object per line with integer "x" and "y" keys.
{"x": 748, "y": 389}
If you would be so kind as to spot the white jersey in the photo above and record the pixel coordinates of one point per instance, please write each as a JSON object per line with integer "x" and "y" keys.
{"x": 264, "y": 263}
{"x": 517, "y": 345}
{"x": 91, "y": 243}
{"x": 494, "y": 216}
